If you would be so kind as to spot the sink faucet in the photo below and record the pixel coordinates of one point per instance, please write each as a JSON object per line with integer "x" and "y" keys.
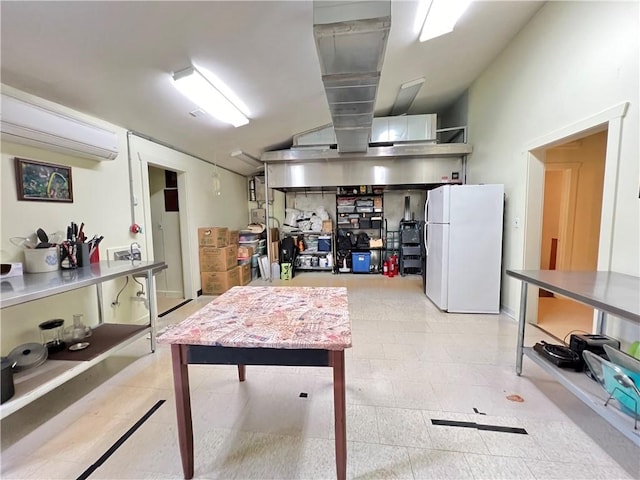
{"x": 134, "y": 250}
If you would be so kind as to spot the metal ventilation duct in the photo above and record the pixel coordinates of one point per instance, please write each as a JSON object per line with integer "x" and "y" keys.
{"x": 351, "y": 38}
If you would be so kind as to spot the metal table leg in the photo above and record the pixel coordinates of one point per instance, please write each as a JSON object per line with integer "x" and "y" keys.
{"x": 521, "y": 322}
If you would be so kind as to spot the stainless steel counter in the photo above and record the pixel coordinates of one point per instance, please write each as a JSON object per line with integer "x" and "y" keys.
{"x": 608, "y": 293}
{"x": 33, "y": 383}
{"x": 34, "y": 286}
{"x": 611, "y": 292}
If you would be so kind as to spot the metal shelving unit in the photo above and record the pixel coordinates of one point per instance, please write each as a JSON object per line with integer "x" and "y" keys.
{"x": 358, "y": 211}
{"x": 33, "y": 383}
{"x": 410, "y": 247}
{"x": 313, "y": 259}
{"x": 608, "y": 293}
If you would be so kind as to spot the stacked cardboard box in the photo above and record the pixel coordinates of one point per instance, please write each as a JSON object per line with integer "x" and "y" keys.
{"x": 218, "y": 259}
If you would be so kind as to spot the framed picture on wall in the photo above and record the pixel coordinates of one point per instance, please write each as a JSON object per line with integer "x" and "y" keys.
{"x": 43, "y": 182}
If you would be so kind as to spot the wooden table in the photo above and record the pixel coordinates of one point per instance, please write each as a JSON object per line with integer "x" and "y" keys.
{"x": 293, "y": 326}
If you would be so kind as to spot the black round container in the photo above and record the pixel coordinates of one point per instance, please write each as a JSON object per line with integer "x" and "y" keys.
{"x": 6, "y": 382}
{"x": 52, "y": 334}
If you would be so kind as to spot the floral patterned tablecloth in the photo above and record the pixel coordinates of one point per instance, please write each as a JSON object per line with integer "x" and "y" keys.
{"x": 269, "y": 317}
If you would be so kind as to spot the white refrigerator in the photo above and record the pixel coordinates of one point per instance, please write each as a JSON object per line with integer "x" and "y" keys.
{"x": 463, "y": 247}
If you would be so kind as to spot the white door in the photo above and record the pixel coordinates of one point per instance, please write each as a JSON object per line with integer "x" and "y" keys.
{"x": 437, "y": 264}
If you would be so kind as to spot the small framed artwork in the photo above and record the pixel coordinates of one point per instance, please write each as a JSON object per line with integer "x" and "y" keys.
{"x": 43, "y": 182}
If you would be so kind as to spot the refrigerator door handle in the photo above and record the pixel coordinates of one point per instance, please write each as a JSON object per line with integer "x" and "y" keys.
{"x": 426, "y": 209}
{"x": 426, "y": 223}
{"x": 426, "y": 246}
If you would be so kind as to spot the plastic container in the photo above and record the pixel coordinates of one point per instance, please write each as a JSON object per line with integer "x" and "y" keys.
{"x": 275, "y": 270}
{"x": 360, "y": 262}
{"x": 41, "y": 260}
{"x": 324, "y": 243}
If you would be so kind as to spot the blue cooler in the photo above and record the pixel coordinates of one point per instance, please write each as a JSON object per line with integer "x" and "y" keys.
{"x": 360, "y": 262}
{"x": 324, "y": 243}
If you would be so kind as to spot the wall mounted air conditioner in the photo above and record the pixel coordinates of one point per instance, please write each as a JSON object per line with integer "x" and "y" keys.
{"x": 28, "y": 124}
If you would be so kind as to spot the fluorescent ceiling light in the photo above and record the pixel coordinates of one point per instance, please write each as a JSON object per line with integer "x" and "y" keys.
{"x": 440, "y": 16}
{"x": 246, "y": 158}
{"x": 406, "y": 96}
{"x": 202, "y": 91}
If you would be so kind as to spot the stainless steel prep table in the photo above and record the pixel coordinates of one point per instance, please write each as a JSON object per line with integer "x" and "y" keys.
{"x": 608, "y": 293}
{"x": 33, "y": 383}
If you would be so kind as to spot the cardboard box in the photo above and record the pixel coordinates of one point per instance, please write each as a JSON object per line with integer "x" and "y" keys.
{"x": 275, "y": 251}
{"x": 244, "y": 273}
{"x": 232, "y": 237}
{"x": 212, "y": 236}
{"x": 327, "y": 226}
{"x": 245, "y": 251}
{"x": 214, "y": 259}
{"x": 215, "y": 283}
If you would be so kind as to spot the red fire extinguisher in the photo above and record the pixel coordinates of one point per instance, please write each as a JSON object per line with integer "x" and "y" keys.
{"x": 385, "y": 267}
{"x": 393, "y": 266}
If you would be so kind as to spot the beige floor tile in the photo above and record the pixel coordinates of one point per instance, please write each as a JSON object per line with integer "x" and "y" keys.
{"x": 376, "y": 392}
{"x": 495, "y": 467}
{"x": 162, "y": 455}
{"x": 512, "y": 445}
{"x": 577, "y": 470}
{"x": 362, "y": 424}
{"x": 317, "y": 460}
{"x": 371, "y": 461}
{"x": 438, "y": 464}
{"x": 402, "y": 427}
{"x": 415, "y": 395}
{"x": 270, "y": 456}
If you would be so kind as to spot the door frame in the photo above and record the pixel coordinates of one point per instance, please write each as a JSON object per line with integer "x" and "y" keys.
{"x": 154, "y": 161}
{"x": 610, "y": 120}
{"x": 570, "y": 172}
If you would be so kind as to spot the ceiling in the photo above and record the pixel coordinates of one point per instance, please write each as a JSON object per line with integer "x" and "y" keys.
{"x": 113, "y": 60}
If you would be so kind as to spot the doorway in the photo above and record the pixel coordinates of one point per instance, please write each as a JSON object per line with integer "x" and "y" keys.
{"x": 572, "y": 208}
{"x": 609, "y": 121}
{"x": 165, "y": 221}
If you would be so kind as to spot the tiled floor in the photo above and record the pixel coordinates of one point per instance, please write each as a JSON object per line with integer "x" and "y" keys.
{"x": 409, "y": 363}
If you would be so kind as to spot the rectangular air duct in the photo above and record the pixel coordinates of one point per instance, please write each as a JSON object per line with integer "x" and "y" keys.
{"x": 351, "y": 38}
{"x": 28, "y": 124}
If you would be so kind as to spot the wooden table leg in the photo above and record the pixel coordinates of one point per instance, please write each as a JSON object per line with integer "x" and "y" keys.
{"x": 242, "y": 370}
{"x": 336, "y": 360}
{"x": 183, "y": 407}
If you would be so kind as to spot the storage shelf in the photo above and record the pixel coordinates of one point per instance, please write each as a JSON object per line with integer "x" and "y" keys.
{"x": 105, "y": 339}
{"x": 591, "y": 393}
{"x": 312, "y": 252}
{"x": 33, "y": 383}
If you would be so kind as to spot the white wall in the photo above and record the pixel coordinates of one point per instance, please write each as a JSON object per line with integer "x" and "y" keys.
{"x": 571, "y": 62}
{"x": 100, "y": 200}
{"x": 101, "y": 193}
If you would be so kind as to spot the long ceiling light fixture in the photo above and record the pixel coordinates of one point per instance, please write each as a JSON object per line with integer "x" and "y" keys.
{"x": 246, "y": 158}
{"x": 438, "y": 17}
{"x": 406, "y": 96}
{"x": 200, "y": 89}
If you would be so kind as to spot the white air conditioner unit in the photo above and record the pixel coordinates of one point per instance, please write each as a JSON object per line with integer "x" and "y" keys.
{"x": 28, "y": 124}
